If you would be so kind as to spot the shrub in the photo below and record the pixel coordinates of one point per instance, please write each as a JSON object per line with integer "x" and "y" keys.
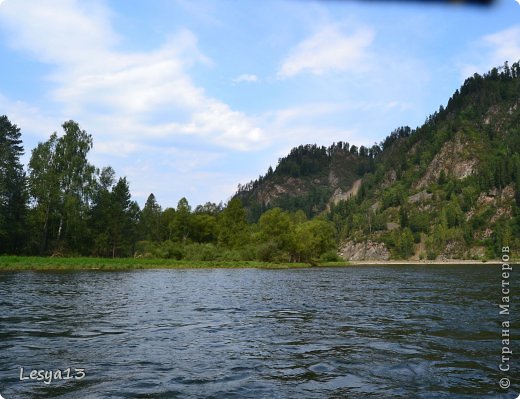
{"x": 330, "y": 256}
{"x": 201, "y": 252}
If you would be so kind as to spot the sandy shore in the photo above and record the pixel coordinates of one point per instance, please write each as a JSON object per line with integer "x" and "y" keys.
{"x": 425, "y": 262}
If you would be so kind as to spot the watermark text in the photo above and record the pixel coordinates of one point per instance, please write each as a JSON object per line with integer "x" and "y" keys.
{"x": 48, "y": 376}
{"x": 504, "y": 312}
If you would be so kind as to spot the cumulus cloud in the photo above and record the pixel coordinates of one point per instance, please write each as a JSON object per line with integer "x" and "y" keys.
{"x": 328, "y": 50}
{"x": 118, "y": 92}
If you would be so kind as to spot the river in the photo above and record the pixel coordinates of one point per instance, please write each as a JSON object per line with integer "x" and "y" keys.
{"x": 355, "y": 332}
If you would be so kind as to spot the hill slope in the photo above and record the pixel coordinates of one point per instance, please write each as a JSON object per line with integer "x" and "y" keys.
{"x": 448, "y": 189}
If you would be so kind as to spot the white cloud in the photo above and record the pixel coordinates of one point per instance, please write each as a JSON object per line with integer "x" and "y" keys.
{"x": 59, "y": 31}
{"x": 328, "y": 50}
{"x": 177, "y": 178}
{"x": 246, "y": 78}
{"x": 119, "y": 93}
{"x": 304, "y": 113}
{"x": 29, "y": 117}
{"x": 492, "y": 51}
{"x": 505, "y": 45}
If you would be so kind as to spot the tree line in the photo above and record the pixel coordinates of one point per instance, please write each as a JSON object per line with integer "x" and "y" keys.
{"x": 64, "y": 205}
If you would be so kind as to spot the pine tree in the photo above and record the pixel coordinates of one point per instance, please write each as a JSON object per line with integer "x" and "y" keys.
{"x": 13, "y": 195}
{"x": 150, "y": 221}
{"x": 123, "y": 219}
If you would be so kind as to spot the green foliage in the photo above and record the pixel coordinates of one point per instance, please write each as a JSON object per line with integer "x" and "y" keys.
{"x": 233, "y": 230}
{"x": 303, "y": 161}
{"x": 275, "y": 228}
{"x": 13, "y": 195}
{"x": 442, "y": 178}
{"x": 330, "y": 256}
{"x": 454, "y": 214}
{"x": 123, "y": 219}
{"x": 312, "y": 203}
{"x": 182, "y": 223}
{"x": 61, "y": 182}
{"x": 469, "y": 197}
{"x": 150, "y": 223}
{"x": 312, "y": 239}
{"x": 307, "y": 169}
{"x": 419, "y": 221}
{"x": 394, "y": 196}
{"x": 44, "y": 189}
{"x": 204, "y": 228}
{"x": 400, "y": 242}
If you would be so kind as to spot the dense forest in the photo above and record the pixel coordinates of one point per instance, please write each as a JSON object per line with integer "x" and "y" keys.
{"x": 64, "y": 206}
{"x": 450, "y": 188}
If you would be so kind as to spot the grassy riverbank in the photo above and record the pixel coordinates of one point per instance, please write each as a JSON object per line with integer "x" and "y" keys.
{"x": 19, "y": 263}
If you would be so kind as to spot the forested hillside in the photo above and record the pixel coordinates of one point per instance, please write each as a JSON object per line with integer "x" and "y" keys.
{"x": 448, "y": 189}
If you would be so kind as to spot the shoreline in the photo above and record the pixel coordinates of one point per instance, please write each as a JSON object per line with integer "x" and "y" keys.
{"x": 405, "y": 262}
{"x": 21, "y": 263}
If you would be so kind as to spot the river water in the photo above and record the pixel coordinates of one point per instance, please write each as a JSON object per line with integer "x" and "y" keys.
{"x": 356, "y": 332}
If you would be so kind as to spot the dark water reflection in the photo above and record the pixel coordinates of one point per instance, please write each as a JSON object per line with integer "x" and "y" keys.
{"x": 364, "y": 332}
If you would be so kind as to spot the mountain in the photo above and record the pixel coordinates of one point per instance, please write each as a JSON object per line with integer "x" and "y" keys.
{"x": 448, "y": 189}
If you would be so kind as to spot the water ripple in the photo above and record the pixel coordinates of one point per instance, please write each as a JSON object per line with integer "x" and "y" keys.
{"x": 407, "y": 332}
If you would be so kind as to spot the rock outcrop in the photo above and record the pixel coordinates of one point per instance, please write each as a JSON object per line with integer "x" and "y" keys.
{"x": 368, "y": 250}
{"x": 421, "y": 196}
{"x": 340, "y": 195}
{"x": 453, "y": 159}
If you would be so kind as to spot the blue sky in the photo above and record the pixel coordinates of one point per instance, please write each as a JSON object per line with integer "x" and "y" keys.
{"x": 190, "y": 98}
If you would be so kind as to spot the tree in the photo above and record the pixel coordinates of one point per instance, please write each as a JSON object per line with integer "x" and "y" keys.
{"x": 61, "y": 185}
{"x": 232, "y": 225}
{"x": 182, "y": 222}
{"x": 276, "y": 227}
{"x": 312, "y": 239}
{"x": 454, "y": 215}
{"x": 168, "y": 224}
{"x": 403, "y": 215}
{"x": 406, "y": 243}
{"x": 204, "y": 227}
{"x": 106, "y": 178}
{"x": 44, "y": 189}
{"x": 76, "y": 179}
{"x": 419, "y": 222}
{"x": 123, "y": 219}
{"x": 13, "y": 195}
{"x": 442, "y": 178}
{"x": 100, "y": 213}
{"x": 209, "y": 208}
{"x": 150, "y": 220}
